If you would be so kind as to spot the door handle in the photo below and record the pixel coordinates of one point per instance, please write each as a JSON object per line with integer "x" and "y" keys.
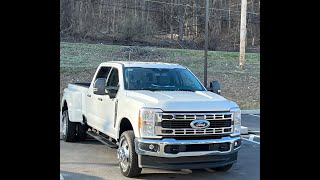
{"x": 89, "y": 95}
{"x": 100, "y": 99}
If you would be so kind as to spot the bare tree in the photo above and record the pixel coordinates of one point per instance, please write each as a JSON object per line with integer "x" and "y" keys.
{"x": 183, "y": 19}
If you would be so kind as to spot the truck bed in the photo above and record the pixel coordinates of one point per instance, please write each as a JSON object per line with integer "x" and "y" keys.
{"x": 76, "y": 94}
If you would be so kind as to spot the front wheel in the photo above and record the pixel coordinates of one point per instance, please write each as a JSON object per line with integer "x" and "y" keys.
{"x": 128, "y": 158}
{"x": 68, "y": 128}
{"x": 223, "y": 168}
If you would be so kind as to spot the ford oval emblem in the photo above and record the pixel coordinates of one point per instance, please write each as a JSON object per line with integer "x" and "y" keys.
{"x": 200, "y": 124}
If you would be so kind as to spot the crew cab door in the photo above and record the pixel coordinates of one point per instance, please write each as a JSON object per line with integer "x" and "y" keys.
{"x": 101, "y": 108}
{"x": 107, "y": 112}
{"x": 95, "y": 102}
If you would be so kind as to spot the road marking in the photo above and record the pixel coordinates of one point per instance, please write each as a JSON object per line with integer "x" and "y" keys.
{"x": 61, "y": 177}
{"x": 251, "y": 137}
{"x": 254, "y": 132}
{"x": 254, "y": 115}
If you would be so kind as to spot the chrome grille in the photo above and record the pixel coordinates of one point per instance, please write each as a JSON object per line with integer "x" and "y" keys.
{"x": 195, "y": 116}
{"x": 179, "y": 124}
{"x": 186, "y": 123}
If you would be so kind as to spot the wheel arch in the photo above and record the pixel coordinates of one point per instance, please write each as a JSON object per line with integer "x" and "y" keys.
{"x": 124, "y": 125}
{"x": 64, "y": 106}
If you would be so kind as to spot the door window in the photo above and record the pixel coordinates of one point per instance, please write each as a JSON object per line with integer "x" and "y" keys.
{"x": 103, "y": 72}
{"x": 113, "y": 79}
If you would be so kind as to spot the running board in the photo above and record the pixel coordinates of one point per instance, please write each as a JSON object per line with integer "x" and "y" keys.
{"x": 102, "y": 139}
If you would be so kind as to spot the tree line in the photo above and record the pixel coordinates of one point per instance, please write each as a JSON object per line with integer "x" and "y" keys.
{"x": 167, "y": 23}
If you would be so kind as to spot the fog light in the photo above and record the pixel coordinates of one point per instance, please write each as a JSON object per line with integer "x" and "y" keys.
{"x": 237, "y": 143}
{"x": 151, "y": 146}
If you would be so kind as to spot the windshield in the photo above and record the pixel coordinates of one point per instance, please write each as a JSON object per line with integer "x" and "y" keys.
{"x": 160, "y": 79}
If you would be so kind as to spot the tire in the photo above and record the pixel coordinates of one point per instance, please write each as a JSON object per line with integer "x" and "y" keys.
{"x": 128, "y": 158}
{"x": 68, "y": 128}
{"x": 223, "y": 168}
{"x": 81, "y": 132}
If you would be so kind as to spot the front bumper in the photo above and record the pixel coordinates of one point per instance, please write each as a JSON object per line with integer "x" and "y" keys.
{"x": 170, "y": 141}
{"x": 187, "y": 160}
{"x": 192, "y": 162}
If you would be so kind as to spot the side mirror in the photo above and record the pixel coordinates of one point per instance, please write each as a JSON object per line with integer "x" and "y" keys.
{"x": 112, "y": 91}
{"x": 215, "y": 87}
{"x": 99, "y": 86}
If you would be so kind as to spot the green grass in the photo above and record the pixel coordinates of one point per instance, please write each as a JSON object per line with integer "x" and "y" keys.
{"x": 85, "y": 55}
{"x": 241, "y": 86}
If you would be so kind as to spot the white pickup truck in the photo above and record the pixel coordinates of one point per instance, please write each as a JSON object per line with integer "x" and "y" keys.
{"x": 157, "y": 115}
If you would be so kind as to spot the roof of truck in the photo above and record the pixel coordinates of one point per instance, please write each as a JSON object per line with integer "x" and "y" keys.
{"x": 145, "y": 64}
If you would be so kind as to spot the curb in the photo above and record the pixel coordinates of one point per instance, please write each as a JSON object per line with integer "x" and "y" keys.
{"x": 251, "y": 111}
{"x": 244, "y": 129}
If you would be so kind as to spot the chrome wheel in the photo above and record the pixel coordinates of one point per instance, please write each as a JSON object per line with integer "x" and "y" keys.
{"x": 123, "y": 154}
{"x": 68, "y": 128}
{"x": 128, "y": 158}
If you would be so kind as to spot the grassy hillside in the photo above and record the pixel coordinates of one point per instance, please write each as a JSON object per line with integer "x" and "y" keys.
{"x": 78, "y": 62}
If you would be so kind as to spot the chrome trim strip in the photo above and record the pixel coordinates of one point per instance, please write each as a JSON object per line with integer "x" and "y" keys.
{"x": 192, "y": 131}
{"x": 170, "y": 141}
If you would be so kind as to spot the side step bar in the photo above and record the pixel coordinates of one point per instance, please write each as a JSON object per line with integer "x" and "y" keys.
{"x": 102, "y": 139}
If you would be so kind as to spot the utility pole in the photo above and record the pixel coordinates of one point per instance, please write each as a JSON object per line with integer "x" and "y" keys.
{"x": 206, "y": 44}
{"x": 243, "y": 32}
{"x": 180, "y": 37}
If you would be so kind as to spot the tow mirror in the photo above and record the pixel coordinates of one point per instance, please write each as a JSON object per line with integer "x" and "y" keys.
{"x": 215, "y": 87}
{"x": 99, "y": 86}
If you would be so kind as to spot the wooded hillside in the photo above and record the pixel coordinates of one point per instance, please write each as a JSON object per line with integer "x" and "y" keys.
{"x": 162, "y": 23}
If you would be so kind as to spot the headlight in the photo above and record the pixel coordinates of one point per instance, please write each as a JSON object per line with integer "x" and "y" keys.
{"x": 236, "y": 121}
{"x": 147, "y": 119}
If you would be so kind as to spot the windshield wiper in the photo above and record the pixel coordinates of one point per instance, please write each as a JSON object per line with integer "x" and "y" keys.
{"x": 154, "y": 89}
{"x": 148, "y": 89}
{"x": 185, "y": 90}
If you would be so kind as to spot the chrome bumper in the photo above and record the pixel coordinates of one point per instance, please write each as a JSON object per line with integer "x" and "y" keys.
{"x": 170, "y": 141}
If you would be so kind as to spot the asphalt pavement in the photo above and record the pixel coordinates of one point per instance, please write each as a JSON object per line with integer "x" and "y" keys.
{"x": 93, "y": 160}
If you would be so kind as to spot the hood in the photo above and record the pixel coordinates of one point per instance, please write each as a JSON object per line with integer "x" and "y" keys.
{"x": 182, "y": 100}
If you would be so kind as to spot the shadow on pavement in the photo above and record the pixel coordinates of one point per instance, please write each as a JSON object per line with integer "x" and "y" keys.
{"x": 103, "y": 164}
{"x": 183, "y": 175}
{"x": 71, "y": 175}
{"x": 88, "y": 141}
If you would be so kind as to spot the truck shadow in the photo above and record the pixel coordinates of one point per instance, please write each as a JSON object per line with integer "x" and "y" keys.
{"x": 180, "y": 174}
{"x": 88, "y": 141}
